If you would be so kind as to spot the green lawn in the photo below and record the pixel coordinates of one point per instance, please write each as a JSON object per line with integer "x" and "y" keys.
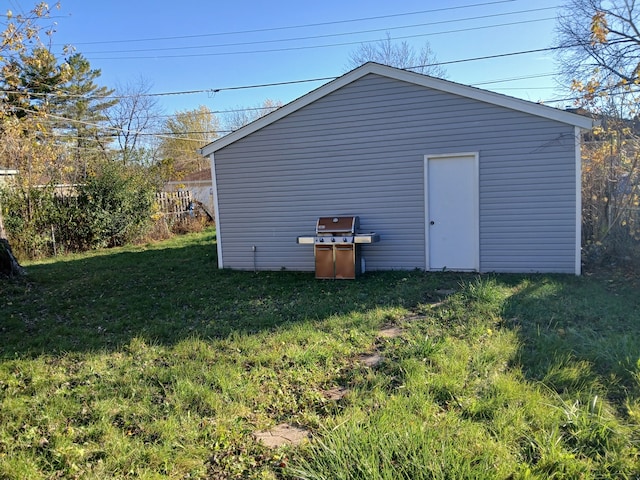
{"x": 149, "y": 362}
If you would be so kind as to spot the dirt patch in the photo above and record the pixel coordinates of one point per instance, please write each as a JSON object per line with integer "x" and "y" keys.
{"x": 283, "y": 434}
{"x": 415, "y": 318}
{"x": 390, "y": 332}
{"x": 335, "y": 393}
{"x": 370, "y": 360}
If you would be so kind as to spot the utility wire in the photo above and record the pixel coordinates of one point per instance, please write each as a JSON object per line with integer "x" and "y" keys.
{"x": 513, "y": 79}
{"x": 105, "y": 127}
{"x": 294, "y": 82}
{"x": 499, "y": 55}
{"x": 181, "y": 135}
{"x": 289, "y": 27}
{"x": 328, "y": 35}
{"x": 297, "y": 48}
{"x": 462, "y": 60}
{"x": 215, "y": 90}
{"x": 164, "y": 94}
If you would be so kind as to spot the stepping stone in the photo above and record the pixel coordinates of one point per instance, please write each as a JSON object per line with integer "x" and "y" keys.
{"x": 390, "y": 332}
{"x": 283, "y": 434}
{"x": 335, "y": 393}
{"x": 445, "y": 291}
{"x": 370, "y": 360}
{"x": 415, "y": 318}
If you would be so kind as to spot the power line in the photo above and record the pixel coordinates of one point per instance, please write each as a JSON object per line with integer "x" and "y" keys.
{"x": 499, "y": 55}
{"x": 180, "y": 135}
{"x": 513, "y": 79}
{"x": 105, "y": 127}
{"x": 173, "y": 135}
{"x": 297, "y": 48}
{"x": 289, "y": 27}
{"x": 17, "y": 6}
{"x": 523, "y": 88}
{"x": 181, "y": 92}
{"x": 609, "y": 91}
{"x": 309, "y": 80}
{"x": 328, "y": 35}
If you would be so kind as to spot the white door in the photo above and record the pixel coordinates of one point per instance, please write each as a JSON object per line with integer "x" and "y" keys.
{"x": 451, "y": 197}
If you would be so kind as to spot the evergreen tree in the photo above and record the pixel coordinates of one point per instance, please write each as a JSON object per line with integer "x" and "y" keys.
{"x": 79, "y": 112}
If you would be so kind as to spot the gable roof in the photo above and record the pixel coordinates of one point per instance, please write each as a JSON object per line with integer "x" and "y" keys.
{"x": 447, "y": 86}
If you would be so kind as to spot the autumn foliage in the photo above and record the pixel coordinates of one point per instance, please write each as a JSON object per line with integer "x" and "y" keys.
{"x": 611, "y": 197}
{"x": 611, "y": 173}
{"x": 600, "y": 45}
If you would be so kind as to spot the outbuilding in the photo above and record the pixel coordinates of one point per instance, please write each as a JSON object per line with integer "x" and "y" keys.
{"x": 450, "y": 176}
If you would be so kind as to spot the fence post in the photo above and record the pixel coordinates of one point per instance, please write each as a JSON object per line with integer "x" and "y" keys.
{"x": 53, "y": 240}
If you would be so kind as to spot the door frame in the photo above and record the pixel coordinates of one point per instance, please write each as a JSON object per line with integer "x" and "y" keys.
{"x": 476, "y": 205}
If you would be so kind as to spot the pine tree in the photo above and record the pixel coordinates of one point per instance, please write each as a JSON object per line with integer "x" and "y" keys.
{"x": 79, "y": 111}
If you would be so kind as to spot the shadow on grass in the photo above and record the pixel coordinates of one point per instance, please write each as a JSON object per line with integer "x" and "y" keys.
{"x": 173, "y": 291}
{"x": 579, "y": 336}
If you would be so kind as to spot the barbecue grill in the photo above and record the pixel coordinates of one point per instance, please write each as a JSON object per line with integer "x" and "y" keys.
{"x": 337, "y": 246}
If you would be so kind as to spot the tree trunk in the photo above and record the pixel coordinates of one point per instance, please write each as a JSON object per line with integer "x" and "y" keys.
{"x": 9, "y": 266}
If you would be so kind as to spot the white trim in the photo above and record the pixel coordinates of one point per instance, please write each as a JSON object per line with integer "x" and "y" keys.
{"x": 425, "y": 215}
{"x": 405, "y": 76}
{"x": 216, "y": 210}
{"x": 578, "y": 153}
{"x": 476, "y": 197}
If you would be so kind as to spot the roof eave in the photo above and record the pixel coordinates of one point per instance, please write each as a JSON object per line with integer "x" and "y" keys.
{"x": 486, "y": 96}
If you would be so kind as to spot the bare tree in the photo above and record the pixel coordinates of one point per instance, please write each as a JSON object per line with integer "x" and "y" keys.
{"x": 134, "y": 120}
{"x": 185, "y": 132}
{"x": 400, "y": 55}
{"x": 600, "y": 56}
{"x": 602, "y": 36}
{"x": 239, "y": 117}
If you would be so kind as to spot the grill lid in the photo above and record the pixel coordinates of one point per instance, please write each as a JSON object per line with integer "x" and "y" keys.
{"x": 331, "y": 225}
{"x": 338, "y": 230}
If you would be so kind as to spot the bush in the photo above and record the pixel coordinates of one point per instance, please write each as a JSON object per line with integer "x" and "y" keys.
{"x": 116, "y": 203}
{"x": 111, "y": 208}
{"x": 26, "y": 213}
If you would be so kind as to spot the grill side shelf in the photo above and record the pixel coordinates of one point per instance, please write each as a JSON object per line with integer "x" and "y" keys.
{"x": 366, "y": 238}
{"x": 304, "y": 240}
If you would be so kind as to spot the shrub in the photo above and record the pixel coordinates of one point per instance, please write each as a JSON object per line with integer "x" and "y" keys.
{"x": 26, "y": 214}
{"x": 112, "y": 207}
{"x": 116, "y": 203}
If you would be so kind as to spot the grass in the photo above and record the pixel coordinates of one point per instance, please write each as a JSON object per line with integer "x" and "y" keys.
{"x": 149, "y": 362}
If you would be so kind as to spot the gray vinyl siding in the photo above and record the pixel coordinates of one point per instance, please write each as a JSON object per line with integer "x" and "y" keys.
{"x": 360, "y": 151}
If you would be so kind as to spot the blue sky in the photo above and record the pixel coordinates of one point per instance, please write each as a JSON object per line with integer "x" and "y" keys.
{"x": 207, "y": 45}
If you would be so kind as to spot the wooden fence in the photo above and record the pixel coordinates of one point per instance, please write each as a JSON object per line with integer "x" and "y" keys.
{"x": 176, "y": 205}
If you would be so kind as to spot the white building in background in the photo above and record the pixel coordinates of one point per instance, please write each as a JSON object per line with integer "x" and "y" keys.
{"x": 6, "y": 175}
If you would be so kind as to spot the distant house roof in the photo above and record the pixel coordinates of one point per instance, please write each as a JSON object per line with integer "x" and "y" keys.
{"x": 498, "y": 99}
{"x": 199, "y": 176}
